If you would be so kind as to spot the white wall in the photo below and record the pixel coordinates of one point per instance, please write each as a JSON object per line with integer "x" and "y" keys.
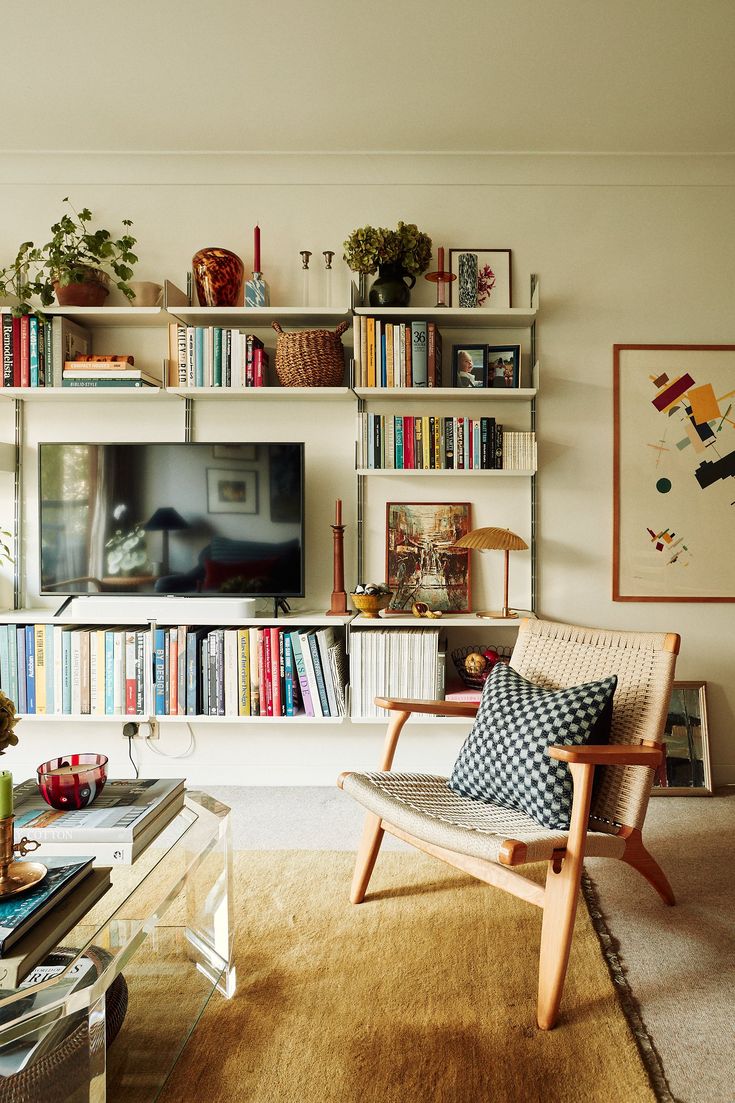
{"x": 629, "y": 249}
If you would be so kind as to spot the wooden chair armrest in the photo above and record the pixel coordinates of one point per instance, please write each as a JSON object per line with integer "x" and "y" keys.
{"x": 438, "y": 708}
{"x": 614, "y": 754}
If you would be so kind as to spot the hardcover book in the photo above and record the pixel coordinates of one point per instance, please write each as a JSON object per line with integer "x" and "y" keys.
{"x": 19, "y": 913}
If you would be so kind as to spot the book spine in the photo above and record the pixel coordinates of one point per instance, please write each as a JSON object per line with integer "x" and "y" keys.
{"x": 25, "y": 364}
{"x": 319, "y": 674}
{"x": 310, "y": 675}
{"x": 33, "y": 350}
{"x": 66, "y": 673}
{"x": 130, "y": 687}
{"x": 431, "y": 354}
{"x": 243, "y": 672}
{"x": 288, "y": 673}
{"x": 13, "y": 664}
{"x": 118, "y": 681}
{"x": 159, "y": 661}
{"x": 498, "y": 458}
{"x": 93, "y": 682}
{"x": 39, "y": 646}
{"x": 419, "y": 360}
{"x": 17, "y": 367}
{"x": 183, "y": 372}
{"x": 181, "y": 633}
{"x": 300, "y": 669}
{"x": 5, "y": 661}
{"x": 254, "y": 672}
{"x": 109, "y": 672}
{"x": 7, "y": 376}
{"x": 216, "y": 357}
{"x": 203, "y": 653}
{"x": 20, "y": 647}
{"x": 30, "y": 669}
{"x": 42, "y": 331}
{"x": 140, "y": 671}
{"x": 191, "y": 674}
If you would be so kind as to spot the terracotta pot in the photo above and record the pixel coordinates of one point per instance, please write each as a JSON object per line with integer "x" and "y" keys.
{"x": 218, "y": 277}
{"x": 91, "y": 292}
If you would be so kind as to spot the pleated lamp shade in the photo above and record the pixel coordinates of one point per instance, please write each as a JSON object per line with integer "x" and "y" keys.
{"x": 495, "y": 539}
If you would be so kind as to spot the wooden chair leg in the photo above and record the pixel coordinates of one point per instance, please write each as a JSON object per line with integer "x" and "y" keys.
{"x": 372, "y": 837}
{"x": 560, "y": 910}
{"x": 638, "y": 857}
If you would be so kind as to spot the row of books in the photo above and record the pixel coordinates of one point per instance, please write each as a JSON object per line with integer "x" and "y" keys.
{"x": 396, "y": 663}
{"x": 51, "y": 669}
{"x": 248, "y": 672}
{"x": 212, "y": 356}
{"x": 400, "y": 354}
{"x": 106, "y": 371}
{"x": 35, "y": 350}
{"x": 430, "y": 443}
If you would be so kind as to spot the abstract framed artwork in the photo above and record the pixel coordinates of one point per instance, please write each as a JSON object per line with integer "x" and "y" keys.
{"x": 674, "y": 473}
{"x": 685, "y": 770}
{"x": 231, "y": 491}
{"x": 422, "y": 561}
{"x": 483, "y": 278}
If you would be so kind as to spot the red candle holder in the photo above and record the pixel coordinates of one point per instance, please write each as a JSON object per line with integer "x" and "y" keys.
{"x": 441, "y": 278}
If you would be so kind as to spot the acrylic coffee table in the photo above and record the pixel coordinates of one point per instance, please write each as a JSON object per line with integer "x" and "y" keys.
{"x": 166, "y": 926}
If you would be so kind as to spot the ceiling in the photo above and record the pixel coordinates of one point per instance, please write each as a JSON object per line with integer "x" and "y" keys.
{"x": 323, "y": 75}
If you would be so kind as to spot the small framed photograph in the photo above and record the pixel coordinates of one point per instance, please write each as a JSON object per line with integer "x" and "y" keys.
{"x": 685, "y": 770}
{"x": 469, "y": 365}
{"x": 231, "y": 491}
{"x": 422, "y": 560}
{"x": 235, "y": 451}
{"x": 503, "y": 366}
{"x": 483, "y": 278}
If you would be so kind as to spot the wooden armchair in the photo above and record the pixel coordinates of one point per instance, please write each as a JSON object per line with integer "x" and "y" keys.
{"x": 487, "y": 841}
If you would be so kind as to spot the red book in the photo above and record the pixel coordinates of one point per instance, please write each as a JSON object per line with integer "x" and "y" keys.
{"x": 260, "y": 367}
{"x": 25, "y": 351}
{"x": 261, "y": 674}
{"x": 275, "y": 652}
{"x": 173, "y": 672}
{"x": 267, "y": 683}
{"x": 431, "y": 353}
{"x": 409, "y": 451}
{"x": 16, "y": 353}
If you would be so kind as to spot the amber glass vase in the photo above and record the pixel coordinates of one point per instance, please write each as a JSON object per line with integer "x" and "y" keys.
{"x": 218, "y": 277}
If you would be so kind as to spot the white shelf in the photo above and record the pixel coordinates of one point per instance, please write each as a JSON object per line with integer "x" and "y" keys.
{"x": 448, "y": 620}
{"x": 489, "y": 472}
{"x": 278, "y": 394}
{"x": 455, "y": 317}
{"x": 71, "y": 394}
{"x": 99, "y": 317}
{"x": 196, "y": 616}
{"x": 259, "y": 317}
{"x": 484, "y": 394}
{"x": 85, "y": 717}
{"x": 332, "y": 720}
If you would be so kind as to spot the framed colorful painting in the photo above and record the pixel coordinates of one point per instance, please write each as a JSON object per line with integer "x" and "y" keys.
{"x": 674, "y": 473}
{"x": 422, "y": 561}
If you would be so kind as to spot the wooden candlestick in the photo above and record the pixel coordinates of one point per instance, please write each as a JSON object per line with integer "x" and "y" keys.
{"x": 338, "y": 607}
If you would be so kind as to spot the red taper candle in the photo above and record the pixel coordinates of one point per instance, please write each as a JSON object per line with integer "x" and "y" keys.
{"x": 338, "y": 512}
{"x": 256, "y": 249}
{"x": 440, "y": 259}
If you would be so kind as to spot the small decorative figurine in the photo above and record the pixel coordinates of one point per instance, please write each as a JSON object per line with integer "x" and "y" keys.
{"x": 257, "y": 292}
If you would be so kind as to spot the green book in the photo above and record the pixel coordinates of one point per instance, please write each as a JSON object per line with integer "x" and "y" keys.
{"x": 115, "y": 384}
{"x": 217, "y": 357}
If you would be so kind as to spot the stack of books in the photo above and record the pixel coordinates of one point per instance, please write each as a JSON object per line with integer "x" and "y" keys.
{"x": 124, "y": 819}
{"x": 248, "y": 672}
{"x": 400, "y": 354}
{"x": 35, "y": 350}
{"x": 429, "y": 443}
{"x": 395, "y": 663}
{"x": 105, "y": 371}
{"x": 212, "y": 356}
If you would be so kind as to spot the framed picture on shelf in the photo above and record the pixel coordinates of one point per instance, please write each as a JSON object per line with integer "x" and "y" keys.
{"x": 483, "y": 278}
{"x": 422, "y": 560}
{"x": 686, "y": 767}
{"x": 469, "y": 365}
{"x": 231, "y": 491}
{"x": 674, "y": 465}
{"x": 503, "y": 366}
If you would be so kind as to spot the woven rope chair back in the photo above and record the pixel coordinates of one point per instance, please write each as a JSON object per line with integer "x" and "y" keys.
{"x": 562, "y": 655}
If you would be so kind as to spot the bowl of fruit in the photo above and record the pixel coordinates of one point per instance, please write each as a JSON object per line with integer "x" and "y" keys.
{"x": 371, "y": 599}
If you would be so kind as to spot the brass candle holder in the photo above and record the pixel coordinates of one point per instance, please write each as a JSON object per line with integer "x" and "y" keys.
{"x": 17, "y": 876}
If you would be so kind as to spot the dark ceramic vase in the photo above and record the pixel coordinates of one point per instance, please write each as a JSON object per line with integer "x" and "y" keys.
{"x": 390, "y": 288}
{"x": 218, "y": 277}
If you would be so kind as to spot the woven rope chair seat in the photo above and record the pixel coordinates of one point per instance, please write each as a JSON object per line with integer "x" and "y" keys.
{"x": 424, "y": 806}
{"x": 56, "y": 1075}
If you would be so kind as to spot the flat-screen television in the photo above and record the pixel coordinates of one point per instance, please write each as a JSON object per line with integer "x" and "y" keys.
{"x": 188, "y": 519}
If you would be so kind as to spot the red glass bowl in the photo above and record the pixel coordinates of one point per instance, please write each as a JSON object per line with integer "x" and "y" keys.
{"x": 73, "y": 780}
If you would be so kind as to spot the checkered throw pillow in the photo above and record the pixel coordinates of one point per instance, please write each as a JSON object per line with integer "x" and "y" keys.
{"x": 504, "y": 760}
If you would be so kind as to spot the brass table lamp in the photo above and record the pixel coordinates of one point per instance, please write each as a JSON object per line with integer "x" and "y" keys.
{"x": 495, "y": 539}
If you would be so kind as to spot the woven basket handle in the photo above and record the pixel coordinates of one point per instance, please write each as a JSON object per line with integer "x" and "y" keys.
{"x": 277, "y": 327}
{"x": 341, "y": 328}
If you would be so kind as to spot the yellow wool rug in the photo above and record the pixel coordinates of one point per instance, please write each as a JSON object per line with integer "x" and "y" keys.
{"x": 426, "y": 992}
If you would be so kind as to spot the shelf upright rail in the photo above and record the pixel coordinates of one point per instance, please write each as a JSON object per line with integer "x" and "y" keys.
{"x": 18, "y": 505}
{"x": 535, "y": 288}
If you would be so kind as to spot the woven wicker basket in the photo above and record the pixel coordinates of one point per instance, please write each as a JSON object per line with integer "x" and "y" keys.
{"x": 310, "y": 357}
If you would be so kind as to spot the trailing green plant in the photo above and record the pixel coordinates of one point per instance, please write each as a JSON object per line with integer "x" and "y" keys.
{"x": 369, "y": 247}
{"x": 74, "y": 251}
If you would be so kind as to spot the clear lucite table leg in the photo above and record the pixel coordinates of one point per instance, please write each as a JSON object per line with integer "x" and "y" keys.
{"x": 209, "y": 905}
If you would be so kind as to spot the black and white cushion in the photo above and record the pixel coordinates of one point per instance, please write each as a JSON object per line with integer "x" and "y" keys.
{"x": 504, "y": 760}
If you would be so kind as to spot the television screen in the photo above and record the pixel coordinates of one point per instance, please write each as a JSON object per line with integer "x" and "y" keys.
{"x": 189, "y": 519}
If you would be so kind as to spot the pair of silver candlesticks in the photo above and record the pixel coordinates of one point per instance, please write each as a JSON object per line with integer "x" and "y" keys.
{"x": 306, "y": 290}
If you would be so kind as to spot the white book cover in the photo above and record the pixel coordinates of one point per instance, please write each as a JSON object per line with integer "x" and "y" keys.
{"x": 191, "y": 355}
{"x": 76, "y": 673}
{"x": 325, "y": 640}
{"x": 118, "y": 668}
{"x": 231, "y": 686}
{"x": 93, "y": 686}
{"x": 58, "y": 671}
{"x": 390, "y": 441}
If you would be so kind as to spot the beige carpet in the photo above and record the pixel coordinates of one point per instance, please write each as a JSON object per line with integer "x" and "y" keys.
{"x": 425, "y": 992}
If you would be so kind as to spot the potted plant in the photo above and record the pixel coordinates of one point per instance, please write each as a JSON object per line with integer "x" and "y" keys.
{"x": 76, "y": 265}
{"x": 397, "y": 255}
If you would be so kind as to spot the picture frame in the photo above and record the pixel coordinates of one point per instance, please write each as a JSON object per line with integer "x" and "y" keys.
{"x": 232, "y": 490}
{"x": 503, "y": 366}
{"x": 422, "y": 562}
{"x": 483, "y": 279}
{"x": 673, "y": 464}
{"x": 686, "y": 770}
{"x": 469, "y": 366}
{"x": 246, "y": 452}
